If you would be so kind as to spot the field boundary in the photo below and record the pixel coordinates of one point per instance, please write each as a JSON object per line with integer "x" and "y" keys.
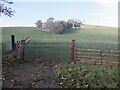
{"x": 95, "y": 56}
{"x": 20, "y": 46}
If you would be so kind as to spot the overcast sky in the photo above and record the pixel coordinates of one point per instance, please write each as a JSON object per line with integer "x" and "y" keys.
{"x": 95, "y": 12}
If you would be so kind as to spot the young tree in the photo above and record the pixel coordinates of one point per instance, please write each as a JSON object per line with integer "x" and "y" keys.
{"x": 39, "y": 24}
{"x": 7, "y": 11}
{"x": 49, "y": 25}
{"x": 58, "y": 27}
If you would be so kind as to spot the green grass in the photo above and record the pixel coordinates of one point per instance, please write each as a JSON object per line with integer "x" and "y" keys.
{"x": 85, "y": 34}
{"x": 80, "y": 75}
{"x": 69, "y": 74}
{"x": 48, "y": 52}
{"x": 87, "y": 37}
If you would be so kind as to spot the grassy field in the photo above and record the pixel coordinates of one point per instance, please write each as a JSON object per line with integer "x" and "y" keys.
{"x": 69, "y": 74}
{"x": 88, "y": 36}
{"x": 95, "y": 36}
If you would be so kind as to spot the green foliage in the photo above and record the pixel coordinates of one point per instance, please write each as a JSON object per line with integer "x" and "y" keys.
{"x": 87, "y": 76}
{"x": 8, "y": 62}
{"x": 39, "y": 67}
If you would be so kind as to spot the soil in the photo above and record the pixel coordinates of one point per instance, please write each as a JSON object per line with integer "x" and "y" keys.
{"x": 30, "y": 75}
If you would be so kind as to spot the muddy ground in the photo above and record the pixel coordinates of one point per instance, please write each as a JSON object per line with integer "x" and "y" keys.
{"x": 33, "y": 74}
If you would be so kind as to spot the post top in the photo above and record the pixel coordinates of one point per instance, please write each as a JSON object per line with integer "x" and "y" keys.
{"x": 73, "y": 40}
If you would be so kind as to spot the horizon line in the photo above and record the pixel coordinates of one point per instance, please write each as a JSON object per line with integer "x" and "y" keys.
{"x": 35, "y": 25}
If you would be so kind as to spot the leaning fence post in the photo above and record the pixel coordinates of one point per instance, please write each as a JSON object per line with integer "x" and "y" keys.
{"x": 72, "y": 50}
{"x": 22, "y": 49}
{"x": 13, "y": 42}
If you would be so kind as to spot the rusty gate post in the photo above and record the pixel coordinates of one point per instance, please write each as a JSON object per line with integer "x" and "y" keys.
{"x": 72, "y": 50}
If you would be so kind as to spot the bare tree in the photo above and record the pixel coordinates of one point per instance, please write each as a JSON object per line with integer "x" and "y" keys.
{"x": 39, "y": 24}
{"x": 51, "y": 19}
{"x": 49, "y": 24}
{"x": 58, "y": 27}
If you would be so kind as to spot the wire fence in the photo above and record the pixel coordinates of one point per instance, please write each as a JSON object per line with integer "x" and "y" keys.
{"x": 48, "y": 51}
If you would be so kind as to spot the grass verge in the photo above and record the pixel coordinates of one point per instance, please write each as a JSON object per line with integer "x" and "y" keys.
{"x": 78, "y": 75}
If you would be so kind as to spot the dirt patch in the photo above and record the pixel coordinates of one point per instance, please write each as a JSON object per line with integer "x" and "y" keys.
{"x": 30, "y": 75}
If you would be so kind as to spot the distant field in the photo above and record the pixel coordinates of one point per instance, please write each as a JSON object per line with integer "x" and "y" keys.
{"x": 88, "y": 36}
{"x": 38, "y": 48}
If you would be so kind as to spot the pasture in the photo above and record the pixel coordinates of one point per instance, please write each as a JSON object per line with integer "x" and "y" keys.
{"x": 94, "y": 37}
{"x": 51, "y": 48}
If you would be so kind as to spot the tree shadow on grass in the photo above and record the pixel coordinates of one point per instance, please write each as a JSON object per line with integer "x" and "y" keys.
{"x": 70, "y": 31}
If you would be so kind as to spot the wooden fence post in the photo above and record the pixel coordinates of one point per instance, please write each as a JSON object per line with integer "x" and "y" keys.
{"x": 101, "y": 56}
{"x": 72, "y": 50}
{"x": 13, "y": 42}
{"x": 22, "y": 49}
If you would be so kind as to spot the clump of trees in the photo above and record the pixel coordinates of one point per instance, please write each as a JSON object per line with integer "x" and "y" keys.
{"x": 57, "y": 27}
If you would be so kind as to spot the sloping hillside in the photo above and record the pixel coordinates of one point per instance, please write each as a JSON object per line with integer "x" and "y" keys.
{"x": 88, "y": 35}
